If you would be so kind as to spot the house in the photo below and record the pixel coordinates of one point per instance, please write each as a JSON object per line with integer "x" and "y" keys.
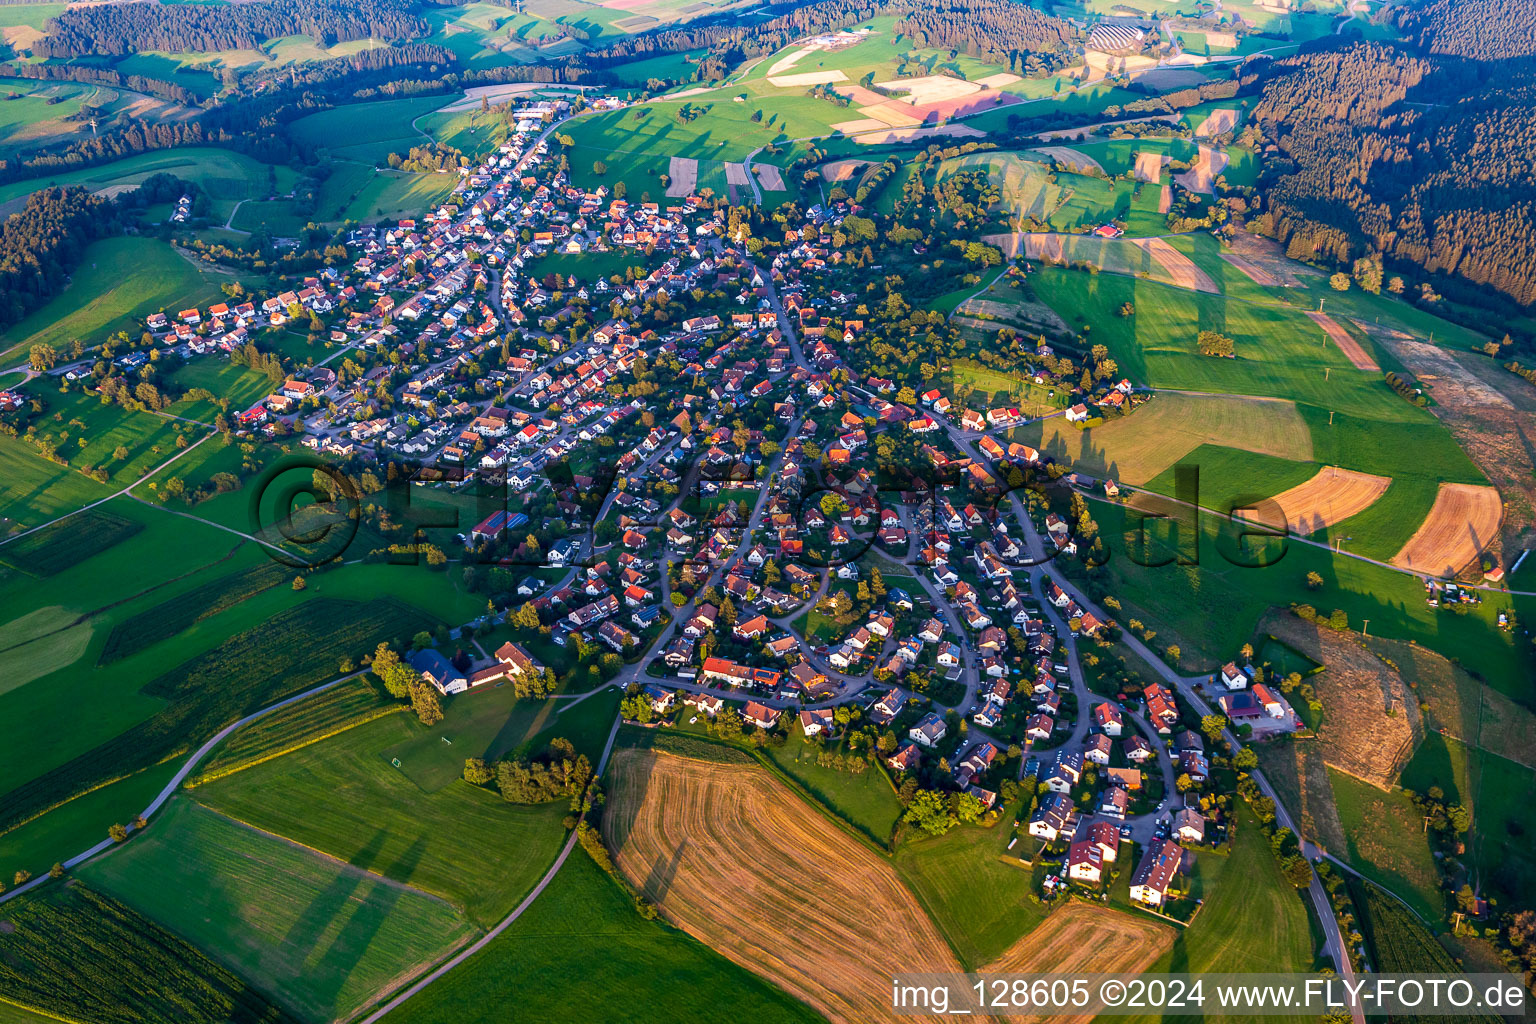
{"x": 1128, "y": 779}
{"x": 1077, "y": 414}
{"x": 1232, "y": 677}
{"x": 1113, "y": 803}
{"x": 661, "y": 699}
{"x": 1138, "y": 750}
{"x": 705, "y": 702}
{"x": 1085, "y": 862}
{"x": 1154, "y": 876}
{"x": 885, "y": 710}
{"x": 1097, "y": 749}
{"x": 1189, "y": 826}
{"x": 1063, "y": 773}
{"x": 1054, "y": 817}
{"x": 1039, "y": 727}
{"x": 760, "y": 715}
{"x": 751, "y": 628}
{"x": 976, "y": 762}
{"x": 1266, "y": 698}
{"x": 1106, "y": 836}
{"x": 1107, "y": 719}
{"x": 439, "y": 671}
{"x": 906, "y": 757}
{"x": 929, "y": 730}
{"x": 817, "y": 722}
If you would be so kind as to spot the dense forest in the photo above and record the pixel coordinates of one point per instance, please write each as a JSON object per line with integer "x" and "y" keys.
{"x": 115, "y": 29}
{"x": 41, "y": 245}
{"x": 1479, "y": 29}
{"x": 998, "y": 31}
{"x": 1414, "y": 156}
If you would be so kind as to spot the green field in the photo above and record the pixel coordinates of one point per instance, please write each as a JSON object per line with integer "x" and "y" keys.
{"x": 65, "y": 544}
{"x": 1387, "y": 844}
{"x": 119, "y": 282}
{"x": 342, "y": 794}
{"x": 979, "y": 901}
{"x": 325, "y": 937}
{"x": 367, "y": 132}
{"x": 34, "y": 491}
{"x": 353, "y": 191}
{"x": 584, "y": 266}
{"x": 865, "y": 801}
{"x": 582, "y": 940}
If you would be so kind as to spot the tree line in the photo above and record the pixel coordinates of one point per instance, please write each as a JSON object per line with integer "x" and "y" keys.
{"x": 41, "y": 245}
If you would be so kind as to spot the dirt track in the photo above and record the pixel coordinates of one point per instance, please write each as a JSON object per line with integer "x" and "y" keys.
{"x": 1352, "y": 349}
{"x": 738, "y": 861}
{"x": 1464, "y": 521}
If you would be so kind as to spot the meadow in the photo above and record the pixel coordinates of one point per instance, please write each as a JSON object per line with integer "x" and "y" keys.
{"x": 342, "y": 793}
{"x": 324, "y": 936}
{"x": 88, "y": 435}
{"x": 368, "y": 132}
{"x": 964, "y": 881}
{"x": 1386, "y": 842}
{"x": 60, "y": 546}
{"x": 118, "y": 282}
{"x": 582, "y": 938}
{"x": 865, "y": 801}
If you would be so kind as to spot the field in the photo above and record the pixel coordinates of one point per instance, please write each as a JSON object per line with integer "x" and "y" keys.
{"x": 368, "y": 132}
{"x": 119, "y": 281}
{"x": 980, "y": 901}
{"x": 1464, "y": 520}
{"x": 1385, "y": 842}
{"x": 1330, "y": 497}
{"x": 1358, "y": 356}
{"x": 582, "y": 937}
{"x": 186, "y": 610}
{"x": 1150, "y": 258}
{"x": 1078, "y": 937}
{"x": 1137, "y": 447}
{"x": 323, "y": 936}
{"x": 34, "y": 491}
{"x": 74, "y": 953}
{"x": 867, "y": 801}
{"x": 60, "y": 546}
{"x": 734, "y": 859}
{"x": 342, "y": 796}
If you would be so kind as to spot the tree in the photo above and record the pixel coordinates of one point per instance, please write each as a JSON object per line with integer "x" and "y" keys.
{"x": 118, "y": 832}
{"x": 425, "y": 702}
{"x": 1314, "y": 580}
{"x": 1246, "y": 759}
{"x": 1213, "y": 343}
{"x": 57, "y": 871}
{"x": 1173, "y": 653}
{"x": 1298, "y": 872}
{"x": 392, "y": 672}
{"x": 929, "y": 812}
{"x": 299, "y": 584}
{"x": 42, "y": 357}
{"x": 1340, "y": 282}
{"x": 1212, "y": 726}
{"x": 477, "y": 772}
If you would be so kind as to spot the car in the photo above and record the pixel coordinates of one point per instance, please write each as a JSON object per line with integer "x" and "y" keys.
{"x": 1125, "y": 831}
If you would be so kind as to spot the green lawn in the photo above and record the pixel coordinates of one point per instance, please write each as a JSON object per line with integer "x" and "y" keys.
{"x": 865, "y": 801}
{"x": 585, "y": 266}
{"x": 581, "y": 952}
{"x": 119, "y": 282}
{"x": 978, "y": 901}
{"x": 324, "y": 937}
{"x": 343, "y": 796}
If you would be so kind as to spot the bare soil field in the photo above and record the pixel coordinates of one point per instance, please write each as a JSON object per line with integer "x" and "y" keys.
{"x": 1165, "y": 199}
{"x": 1352, "y": 349}
{"x": 1463, "y": 521}
{"x": 998, "y": 80}
{"x": 1149, "y": 166}
{"x": 842, "y": 170}
{"x": 1079, "y": 937}
{"x": 892, "y": 112}
{"x": 1203, "y": 173}
{"x": 1070, "y": 158}
{"x": 1331, "y": 496}
{"x": 682, "y": 176}
{"x": 1372, "y": 723}
{"x": 734, "y": 858}
{"x": 1006, "y": 313}
{"x": 736, "y": 174}
{"x": 894, "y": 135}
{"x": 807, "y": 78}
{"x": 859, "y": 124}
{"x": 1219, "y": 120}
{"x": 1491, "y": 412}
{"x": 770, "y": 177}
{"x": 1254, "y": 255}
{"x": 930, "y": 89}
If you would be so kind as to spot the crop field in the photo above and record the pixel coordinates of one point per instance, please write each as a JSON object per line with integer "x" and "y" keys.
{"x": 47, "y": 551}
{"x": 1137, "y": 447}
{"x": 186, "y": 610}
{"x": 342, "y": 796}
{"x": 978, "y": 900}
{"x": 1330, "y": 497}
{"x": 323, "y": 936}
{"x": 581, "y": 936}
{"x": 1464, "y": 520}
{"x": 41, "y": 641}
{"x": 865, "y": 801}
{"x": 1078, "y": 937}
{"x": 74, "y": 953}
{"x": 118, "y": 282}
{"x": 1399, "y": 942}
{"x": 1150, "y": 258}
{"x": 732, "y": 857}
{"x": 278, "y": 657}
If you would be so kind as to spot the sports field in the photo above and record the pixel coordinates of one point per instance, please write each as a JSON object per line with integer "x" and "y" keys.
{"x": 323, "y": 936}
{"x": 733, "y": 858}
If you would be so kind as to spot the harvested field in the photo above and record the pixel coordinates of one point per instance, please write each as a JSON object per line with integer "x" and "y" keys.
{"x": 682, "y": 176}
{"x": 1299, "y": 775}
{"x": 770, "y": 177}
{"x": 1071, "y": 158}
{"x": 894, "y": 135}
{"x": 1352, "y": 349}
{"x": 862, "y": 97}
{"x": 1222, "y": 119}
{"x": 786, "y": 62}
{"x": 1149, "y": 166}
{"x": 734, "y": 858}
{"x": 736, "y": 174}
{"x": 998, "y": 80}
{"x": 808, "y": 78}
{"x": 1266, "y": 257}
{"x": 1202, "y": 174}
{"x": 1371, "y": 723}
{"x": 1134, "y": 257}
{"x": 1165, "y": 199}
{"x": 842, "y": 170}
{"x": 1079, "y": 937}
{"x": 1464, "y": 520}
{"x": 1330, "y": 497}
{"x": 860, "y": 124}
{"x": 930, "y": 89}
{"x": 892, "y": 112}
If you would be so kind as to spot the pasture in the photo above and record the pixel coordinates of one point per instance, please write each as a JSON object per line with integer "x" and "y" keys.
{"x": 324, "y": 936}
{"x": 370, "y": 131}
{"x": 1152, "y": 259}
{"x": 1384, "y": 839}
{"x": 119, "y": 282}
{"x": 686, "y": 833}
{"x": 583, "y": 936}
{"x": 976, "y": 892}
{"x": 87, "y": 435}
{"x": 342, "y": 796}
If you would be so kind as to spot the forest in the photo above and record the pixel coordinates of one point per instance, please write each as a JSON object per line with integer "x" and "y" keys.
{"x": 116, "y": 29}
{"x": 993, "y": 30}
{"x": 1479, "y": 29}
{"x": 1373, "y": 157}
{"x": 41, "y": 245}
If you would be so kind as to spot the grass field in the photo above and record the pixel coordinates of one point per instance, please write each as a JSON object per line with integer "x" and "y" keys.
{"x": 323, "y": 936}
{"x": 119, "y": 282}
{"x": 367, "y": 132}
{"x": 866, "y": 801}
{"x": 585, "y": 266}
{"x": 342, "y": 793}
{"x": 686, "y": 831}
{"x": 58, "y": 546}
{"x": 34, "y": 491}
{"x": 1387, "y": 844}
{"x": 978, "y": 901}
{"x": 87, "y": 435}
{"x": 582, "y": 936}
